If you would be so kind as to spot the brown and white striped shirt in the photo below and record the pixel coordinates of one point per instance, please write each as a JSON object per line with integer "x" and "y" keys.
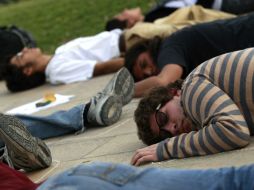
{"x": 218, "y": 96}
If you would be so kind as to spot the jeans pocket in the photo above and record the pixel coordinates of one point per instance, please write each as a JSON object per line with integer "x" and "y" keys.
{"x": 118, "y": 174}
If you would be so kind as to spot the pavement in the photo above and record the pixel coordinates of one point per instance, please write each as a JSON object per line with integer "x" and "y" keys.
{"x": 116, "y": 143}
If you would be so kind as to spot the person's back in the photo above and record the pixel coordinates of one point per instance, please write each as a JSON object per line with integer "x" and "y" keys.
{"x": 223, "y": 87}
{"x": 76, "y": 60}
{"x": 191, "y": 46}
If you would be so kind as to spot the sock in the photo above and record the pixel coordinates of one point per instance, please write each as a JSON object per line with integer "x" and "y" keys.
{"x": 85, "y": 113}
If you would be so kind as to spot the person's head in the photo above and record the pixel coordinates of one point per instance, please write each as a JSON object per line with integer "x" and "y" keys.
{"x": 17, "y": 81}
{"x": 141, "y": 59}
{"x": 159, "y": 114}
{"x": 126, "y": 19}
{"x": 29, "y": 60}
{"x": 21, "y": 71}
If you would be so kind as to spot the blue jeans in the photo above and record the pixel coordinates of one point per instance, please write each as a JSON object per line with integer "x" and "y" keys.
{"x": 116, "y": 176}
{"x": 56, "y": 124}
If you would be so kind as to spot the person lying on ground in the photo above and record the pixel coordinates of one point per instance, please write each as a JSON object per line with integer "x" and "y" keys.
{"x": 77, "y": 60}
{"x": 129, "y": 17}
{"x": 101, "y": 176}
{"x": 166, "y": 26}
{"x": 210, "y": 112}
{"x": 158, "y": 62}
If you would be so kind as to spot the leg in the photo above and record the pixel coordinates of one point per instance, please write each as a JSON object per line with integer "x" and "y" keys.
{"x": 105, "y": 109}
{"x": 56, "y": 124}
{"x": 116, "y": 176}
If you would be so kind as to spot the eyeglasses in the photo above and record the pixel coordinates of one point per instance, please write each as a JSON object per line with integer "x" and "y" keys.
{"x": 160, "y": 117}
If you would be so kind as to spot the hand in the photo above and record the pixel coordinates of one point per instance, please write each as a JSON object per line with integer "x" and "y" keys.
{"x": 147, "y": 154}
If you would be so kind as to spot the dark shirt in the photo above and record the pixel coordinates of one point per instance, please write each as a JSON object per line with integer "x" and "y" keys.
{"x": 193, "y": 45}
{"x": 160, "y": 10}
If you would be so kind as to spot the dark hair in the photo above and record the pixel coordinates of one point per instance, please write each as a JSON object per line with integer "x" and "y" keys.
{"x": 10, "y": 45}
{"x": 148, "y": 105}
{"x": 151, "y": 46}
{"x": 121, "y": 44}
{"x": 115, "y": 23}
{"x": 17, "y": 81}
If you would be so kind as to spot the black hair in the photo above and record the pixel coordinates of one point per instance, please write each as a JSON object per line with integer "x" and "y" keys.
{"x": 151, "y": 46}
{"x": 17, "y": 81}
{"x": 10, "y": 45}
{"x": 115, "y": 23}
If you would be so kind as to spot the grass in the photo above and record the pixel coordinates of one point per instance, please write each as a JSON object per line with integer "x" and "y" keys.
{"x": 53, "y": 22}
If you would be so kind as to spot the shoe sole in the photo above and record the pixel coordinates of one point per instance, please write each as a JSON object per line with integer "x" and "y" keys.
{"x": 25, "y": 151}
{"x": 124, "y": 85}
{"x": 111, "y": 110}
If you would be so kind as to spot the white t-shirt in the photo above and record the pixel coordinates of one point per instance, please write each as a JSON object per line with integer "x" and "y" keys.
{"x": 179, "y": 4}
{"x": 75, "y": 60}
{"x": 217, "y": 4}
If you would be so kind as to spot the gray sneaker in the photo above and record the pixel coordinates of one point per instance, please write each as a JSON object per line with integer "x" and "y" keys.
{"x": 122, "y": 85}
{"x": 106, "y": 106}
{"x": 22, "y": 151}
{"x": 104, "y": 109}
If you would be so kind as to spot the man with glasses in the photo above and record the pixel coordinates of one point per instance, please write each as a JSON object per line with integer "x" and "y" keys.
{"x": 77, "y": 60}
{"x": 210, "y": 112}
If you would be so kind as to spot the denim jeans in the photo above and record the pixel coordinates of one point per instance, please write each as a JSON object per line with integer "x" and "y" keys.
{"x": 56, "y": 124}
{"x": 116, "y": 176}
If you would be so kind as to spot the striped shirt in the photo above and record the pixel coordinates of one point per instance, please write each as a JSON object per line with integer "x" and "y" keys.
{"x": 218, "y": 96}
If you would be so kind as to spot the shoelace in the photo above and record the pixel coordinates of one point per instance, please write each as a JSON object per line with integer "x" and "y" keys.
{"x": 94, "y": 101}
{"x": 5, "y": 156}
{"x": 99, "y": 95}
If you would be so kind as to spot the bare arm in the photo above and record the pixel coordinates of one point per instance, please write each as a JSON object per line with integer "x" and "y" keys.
{"x": 107, "y": 67}
{"x": 169, "y": 73}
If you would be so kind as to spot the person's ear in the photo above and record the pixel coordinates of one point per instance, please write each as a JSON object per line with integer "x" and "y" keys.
{"x": 175, "y": 92}
{"x": 28, "y": 71}
{"x": 179, "y": 92}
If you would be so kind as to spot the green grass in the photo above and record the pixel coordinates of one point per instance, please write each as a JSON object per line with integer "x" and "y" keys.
{"x": 53, "y": 22}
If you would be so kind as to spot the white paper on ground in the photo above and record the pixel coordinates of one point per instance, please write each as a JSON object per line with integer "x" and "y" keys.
{"x": 31, "y": 108}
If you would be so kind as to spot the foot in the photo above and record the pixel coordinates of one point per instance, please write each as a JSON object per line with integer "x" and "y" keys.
{"x": 122, "y": 85}
{"x": 23, "y": 151}
{"x": 106, "y": 106}
{"x": 104, "y": 109}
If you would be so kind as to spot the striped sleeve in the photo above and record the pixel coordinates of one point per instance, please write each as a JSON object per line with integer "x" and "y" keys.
{"x": 219, "y": 118}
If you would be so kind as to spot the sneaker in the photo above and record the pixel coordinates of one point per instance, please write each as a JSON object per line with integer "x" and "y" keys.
{"x": 104, "y": 109}
{"x": 106, "y": 106}
{"x": 122, "y": 85}
{"x": 22, "y": 151}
